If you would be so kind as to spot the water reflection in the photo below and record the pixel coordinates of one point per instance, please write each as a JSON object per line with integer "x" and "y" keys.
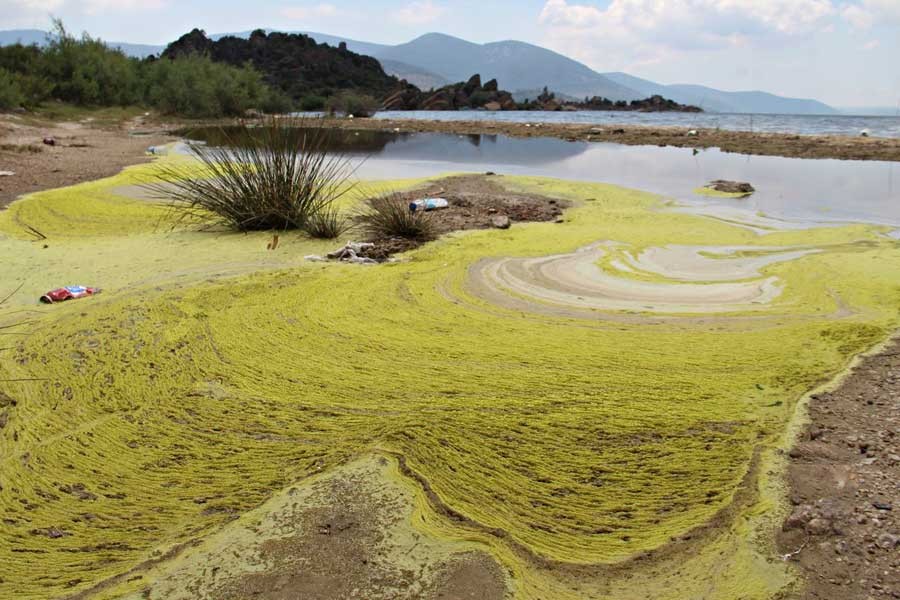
{"x": 787, "y": 188}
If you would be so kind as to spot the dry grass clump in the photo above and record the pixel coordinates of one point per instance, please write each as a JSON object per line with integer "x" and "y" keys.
{"x": 389, "y": 216}
{"x": 277, "y": 176}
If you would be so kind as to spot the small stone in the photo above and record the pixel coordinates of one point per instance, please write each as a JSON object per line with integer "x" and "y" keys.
{"x": 801, "y": 515}
{"x": 500, "y": 222}
{"x": 883, "y": 505}
{"x": 888, "y": 541}
{"x": 818, "y": 526}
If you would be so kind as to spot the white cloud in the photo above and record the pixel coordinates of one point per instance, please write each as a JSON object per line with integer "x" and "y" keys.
{"x": 630, "y": 33}
{"x": 867, "y": 13}
{"x": 302, "y": 13}
{"x": 419, "y": 13}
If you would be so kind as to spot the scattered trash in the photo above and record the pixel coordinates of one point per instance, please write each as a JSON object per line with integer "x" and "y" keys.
{"x": 351, "y": 253}
{"x": 427, "y": 204}
{"x": 692, "y": 133}
{"x": 396, "y": 130}
{"x": 49, "y": 141}
{"x": 71, "y": 292}
{"x": 273, "y": 245}
{"x": 7, "y": 173}
{"x": 315, "y": 258}
{"x": 158, "y": 150}
{"x": 731, "y": 187}
{"x": 865, "y": 133}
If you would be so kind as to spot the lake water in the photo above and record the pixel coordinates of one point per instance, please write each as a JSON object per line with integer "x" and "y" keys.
{"x": 799, "y": 124}
{"x": 792, "y": 191}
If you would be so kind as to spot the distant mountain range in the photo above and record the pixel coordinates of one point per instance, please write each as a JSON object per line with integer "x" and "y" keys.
{"x": 434, "y": 60}
{"x": 36, "y": 36}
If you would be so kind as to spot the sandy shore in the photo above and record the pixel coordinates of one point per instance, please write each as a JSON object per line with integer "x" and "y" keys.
{"x": 742, "y": 142}
{"x": 84, "y": 151}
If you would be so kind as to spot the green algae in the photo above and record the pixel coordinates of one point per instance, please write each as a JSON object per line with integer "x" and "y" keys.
{"x": 713, "y": 193}
{"x": 213, "y": 370}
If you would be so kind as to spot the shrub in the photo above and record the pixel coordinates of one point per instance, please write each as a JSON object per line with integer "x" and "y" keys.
{"x": 195, "y": 86}
{"x": 389, "y": 215}
{"x": 312, "y": 103}
{"x": 327, "y": 224}
{"x": 278, "y": 176}
{"x": 358, "y": 105}
{"x": 11, "y": 95}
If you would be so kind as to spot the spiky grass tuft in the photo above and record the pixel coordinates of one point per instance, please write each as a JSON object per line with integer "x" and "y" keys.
{"x": 278, "y": 176}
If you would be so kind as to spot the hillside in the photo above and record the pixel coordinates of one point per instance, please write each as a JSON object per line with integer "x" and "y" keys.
{"x": 433, "y": 60}
{"x": 517, "y": 65}
{"x": 726, "y": 102}
{"x": 293, "y": 63}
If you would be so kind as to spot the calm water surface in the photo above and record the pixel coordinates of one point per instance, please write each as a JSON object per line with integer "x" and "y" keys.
{"x": 789, "y": 189}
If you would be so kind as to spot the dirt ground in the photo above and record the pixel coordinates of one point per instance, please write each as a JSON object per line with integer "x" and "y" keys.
{"x": 84, "y": 151}
{"x": 844, "y": 479}
{"x": 476, "y": 202}
{"x": 742, "y": 142}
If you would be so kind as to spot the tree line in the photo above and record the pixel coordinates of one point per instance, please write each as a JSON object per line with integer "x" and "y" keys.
{"x": 86, "y": 72}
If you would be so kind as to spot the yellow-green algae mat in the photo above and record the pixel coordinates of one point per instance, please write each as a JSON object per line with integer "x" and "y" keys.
{"x": 211, "y": 374}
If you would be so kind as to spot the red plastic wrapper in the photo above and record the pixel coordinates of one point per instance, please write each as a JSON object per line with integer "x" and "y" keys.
{"x": 71, "y": 292}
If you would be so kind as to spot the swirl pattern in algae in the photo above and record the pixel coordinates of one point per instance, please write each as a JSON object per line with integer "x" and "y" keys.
{"x": 211, "y": 374}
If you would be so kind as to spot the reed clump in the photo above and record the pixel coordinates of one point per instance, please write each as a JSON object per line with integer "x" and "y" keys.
{"x": 276, "y": 176}
{"x": 390, "y": 216}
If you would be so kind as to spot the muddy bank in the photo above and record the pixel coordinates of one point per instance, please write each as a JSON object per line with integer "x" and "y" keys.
{"x": 82, "y": 152}
{"x": 844, "y": 531}
{"x": 742, "y": 142}
{"x": 475, "y": 202}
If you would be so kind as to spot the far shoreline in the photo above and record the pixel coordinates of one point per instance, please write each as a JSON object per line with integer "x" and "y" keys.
{"x": 740, "y": 142}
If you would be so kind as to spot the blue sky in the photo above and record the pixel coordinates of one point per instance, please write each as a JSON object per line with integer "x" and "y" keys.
{"x": 843, "y": 52}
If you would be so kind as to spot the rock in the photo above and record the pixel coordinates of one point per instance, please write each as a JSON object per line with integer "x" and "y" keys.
{"x": 491, "y": 86}
{"x": 818, "y": 526}
{"x": 473, "y": 84}
{"x": 493, "y": 106}
{"x": 500, "y": 222}
{"x": 864, "y": 133}
{"x": 801, "y": 515}
{"x": 731, "y": 187}
{"x": 886, "y": 506}
{"x": 49, "y": 141}
{"x": 692, "y": 133}
{"x": 888, "y": 541}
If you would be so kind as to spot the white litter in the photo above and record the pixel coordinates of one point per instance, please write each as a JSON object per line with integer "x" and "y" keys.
{"x": 427, "y": 204}
{"x": 351, "y": 253}
{"x": 7, "y": 173}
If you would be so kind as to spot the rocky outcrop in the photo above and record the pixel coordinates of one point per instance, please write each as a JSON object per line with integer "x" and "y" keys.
{"x": 466, "y": 95}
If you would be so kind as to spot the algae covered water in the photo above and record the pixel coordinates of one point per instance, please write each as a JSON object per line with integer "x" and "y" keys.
{"x": 564, "y": 397}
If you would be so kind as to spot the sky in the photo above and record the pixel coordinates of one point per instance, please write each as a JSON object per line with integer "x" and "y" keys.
{"x": 843, "y": 52}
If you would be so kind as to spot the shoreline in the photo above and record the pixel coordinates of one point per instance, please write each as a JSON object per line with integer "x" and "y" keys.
{"x": 739, "y": 142}
{"x": 841, "y": 536}
{"x": 842, "y": 531}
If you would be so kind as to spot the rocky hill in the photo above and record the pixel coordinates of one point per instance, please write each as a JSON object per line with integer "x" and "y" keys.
{"x": 293, "y": 63}
{"x": 470, "y": 94}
